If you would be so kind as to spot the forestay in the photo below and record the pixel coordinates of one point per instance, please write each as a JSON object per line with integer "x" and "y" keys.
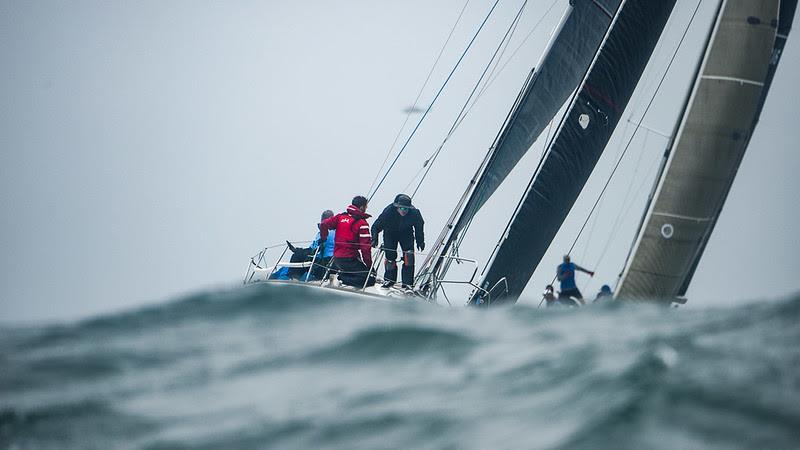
{"x": 712, "y": 135}
{"x": 579, "y": 142}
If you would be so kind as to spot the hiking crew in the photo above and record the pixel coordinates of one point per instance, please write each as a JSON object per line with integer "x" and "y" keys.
{"x": 566, "y": 275}
{"x": 351, "y": 250}
{"x": 548, "y": 296}
{"x": 603, "y": 295}
{"x": 402, "y": 224}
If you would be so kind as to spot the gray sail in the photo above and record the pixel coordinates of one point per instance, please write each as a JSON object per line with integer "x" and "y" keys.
{"x": 579, "y": 142}
{"x": 712, "y": 135}
{"x": 560, "y": 71}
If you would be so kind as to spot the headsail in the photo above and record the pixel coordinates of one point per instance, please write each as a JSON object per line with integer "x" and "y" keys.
{"x": 560, "y": 70}
{"x": 712, "y": 136}
{"x": 579, "y": 142}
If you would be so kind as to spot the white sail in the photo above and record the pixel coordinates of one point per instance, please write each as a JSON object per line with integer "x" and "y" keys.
{"x": 711, "y": 138}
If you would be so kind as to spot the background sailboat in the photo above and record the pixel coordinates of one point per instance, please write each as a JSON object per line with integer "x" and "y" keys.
{"x": 721, "y": 111}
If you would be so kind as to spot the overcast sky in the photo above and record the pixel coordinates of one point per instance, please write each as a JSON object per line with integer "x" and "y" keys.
{"x": 149, "y": 148}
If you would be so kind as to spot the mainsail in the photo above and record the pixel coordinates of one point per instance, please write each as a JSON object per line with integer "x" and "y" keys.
{"x": 579, "y": 142}
{"x": 560, "y": 70}
{"x": 712, "y": 135}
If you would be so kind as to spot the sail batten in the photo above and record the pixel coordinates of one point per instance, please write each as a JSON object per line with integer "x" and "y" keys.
{"x": 726, "y": 98}
{"x": 580, "y": 140}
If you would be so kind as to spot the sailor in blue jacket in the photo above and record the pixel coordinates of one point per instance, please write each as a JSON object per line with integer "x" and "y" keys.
{"x": 566, "y": 275}
{"x": 323, "y": 260}
{"x": 327, "y": 252}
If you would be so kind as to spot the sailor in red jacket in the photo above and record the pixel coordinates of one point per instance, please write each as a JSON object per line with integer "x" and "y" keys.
{"x": 352, "y": 240}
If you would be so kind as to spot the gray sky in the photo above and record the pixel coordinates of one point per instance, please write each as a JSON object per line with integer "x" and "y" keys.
{"x": 149, "y": 148}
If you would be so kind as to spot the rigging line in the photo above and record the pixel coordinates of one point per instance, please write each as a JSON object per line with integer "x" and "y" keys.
{"x": 503, "y": 44}
{"x": 624, "y": 208}
{"x": 514, "y": 53}
{"x": 649, "y": 104}
{"x": 428, "y": 109}
{"x": 589, "y": 236}
{"x": 426, "y": 166}
{"x": 445, "y": 234}
{"x": 493, "y": 76}
{"x": 545, "y": 152}
{"x": 545, "y": 147}
{"x": 594, "y": 221}
{"x": 419, "y": 94}
{"x": 632, "y": 202}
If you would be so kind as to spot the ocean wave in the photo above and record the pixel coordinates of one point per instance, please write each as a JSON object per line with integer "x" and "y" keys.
{"x": 289, "y": 367}
{"x": 89, "y": 423}
{"x": 397, "y": 341}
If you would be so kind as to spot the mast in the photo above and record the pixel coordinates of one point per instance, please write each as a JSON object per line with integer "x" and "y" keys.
{"x": 579, "y": 142}
{"x": 562, "y": 66}
{"x": 725, "y": 102}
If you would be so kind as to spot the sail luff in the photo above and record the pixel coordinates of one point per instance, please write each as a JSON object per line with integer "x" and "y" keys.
{"x": 579, "y": 143}
{"x": 727, "y": 97}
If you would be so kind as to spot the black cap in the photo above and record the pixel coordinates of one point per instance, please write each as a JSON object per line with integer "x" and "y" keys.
{"x": 359, "y": 201}
{"x": 403, "y": 201}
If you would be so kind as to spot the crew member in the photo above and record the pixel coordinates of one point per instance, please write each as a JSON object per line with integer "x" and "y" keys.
{"x": 351, "y": 250}
{"x": 326, "y": 253}
{"x": 548, "y": 296}
{"x": 402, "y": 224}
{"x": 566, "y": 275}
{"x": 604, "y": 294}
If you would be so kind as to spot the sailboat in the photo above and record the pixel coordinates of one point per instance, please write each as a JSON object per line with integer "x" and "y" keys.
{"x": 719, "y": 115}
{"x": 571, "y": 50}
{"x": 592, "y": 64}
{"x": 740, "y": 59}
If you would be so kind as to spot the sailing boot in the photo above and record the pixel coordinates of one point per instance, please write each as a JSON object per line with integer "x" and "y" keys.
{"x": 390, "y": 273}
{"x": 408, "y": 269}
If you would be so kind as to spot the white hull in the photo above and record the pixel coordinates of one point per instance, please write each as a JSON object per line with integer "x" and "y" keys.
{"x": 374, "y": 292}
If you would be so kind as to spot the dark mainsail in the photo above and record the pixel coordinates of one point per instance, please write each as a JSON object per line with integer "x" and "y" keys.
{"x": 579, "y": 142}
{"x": 712, "y": 136}
{"x": 560, "y": 71}
{"x": 554, "y": 80}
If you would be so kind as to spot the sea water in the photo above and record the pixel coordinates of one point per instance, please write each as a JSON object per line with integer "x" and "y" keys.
{"x": 281, "y": 367}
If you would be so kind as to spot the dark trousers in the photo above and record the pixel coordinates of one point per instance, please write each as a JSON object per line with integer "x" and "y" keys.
{"x": 390, "y": 263}
{"x": 353, "y": 272}
{"x": 320, "y": 267}
{"x": 567, "y": 293}
{"x": 301, "y": 255}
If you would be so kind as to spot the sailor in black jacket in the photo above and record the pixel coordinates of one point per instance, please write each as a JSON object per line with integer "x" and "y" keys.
{"x": 401, "y": 223}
